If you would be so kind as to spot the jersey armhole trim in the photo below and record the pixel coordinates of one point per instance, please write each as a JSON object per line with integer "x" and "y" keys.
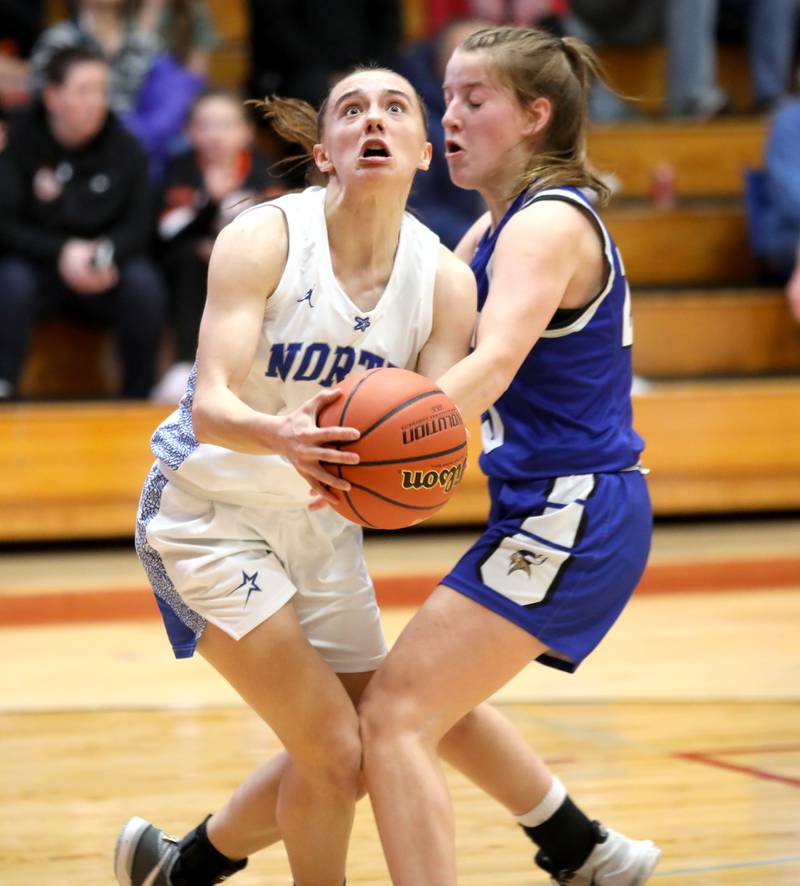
{"x": 568, "y": 320}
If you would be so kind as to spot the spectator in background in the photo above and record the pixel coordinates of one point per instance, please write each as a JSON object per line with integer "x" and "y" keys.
{"x": 770, "y": 28}
{"x": 75, "y": 222}
{"x": 20, "y": 24}
{"x": 526, "y": 13}
{"x": 777, "y": 217}
{"x": 689, "y": 29}
{"x": 793, "y": 288}
{"x": 441, "y": 205}
{"x": 204, "y": 189}
{"x": 149, "y": 88}
{"x": 299, "y": 49}
{"x": 185, "y": 30}
{"x": 108, "y": 29}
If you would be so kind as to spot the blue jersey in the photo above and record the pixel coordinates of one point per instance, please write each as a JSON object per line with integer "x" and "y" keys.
{"x": 568, "y": 409}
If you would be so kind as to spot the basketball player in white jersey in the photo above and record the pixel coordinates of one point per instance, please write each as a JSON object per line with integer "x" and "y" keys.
{"x": 570, "y": 522}
{"x": 302, "y": 292}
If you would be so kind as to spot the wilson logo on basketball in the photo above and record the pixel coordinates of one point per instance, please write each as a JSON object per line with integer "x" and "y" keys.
{"x": 432, "y": 426}
{"x": 446, "y": 478}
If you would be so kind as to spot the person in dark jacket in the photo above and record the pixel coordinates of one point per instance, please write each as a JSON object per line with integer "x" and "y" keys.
{"x": 75, "y": 222}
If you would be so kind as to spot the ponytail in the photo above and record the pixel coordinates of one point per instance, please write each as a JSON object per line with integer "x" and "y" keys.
{"x": 296, "y": 122}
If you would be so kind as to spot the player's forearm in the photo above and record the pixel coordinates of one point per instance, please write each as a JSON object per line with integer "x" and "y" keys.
{"x": 475, "y": 383}
{"x": 221, "y": 418}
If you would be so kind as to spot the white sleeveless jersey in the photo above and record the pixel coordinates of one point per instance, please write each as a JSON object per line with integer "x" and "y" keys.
{"x": 312, "y": 337}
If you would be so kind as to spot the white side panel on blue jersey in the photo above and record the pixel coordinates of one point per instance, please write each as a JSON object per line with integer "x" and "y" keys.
{"x": 608, "y": 250}
{"x": 567, "y": 489}
{"x": 558, "y": 526}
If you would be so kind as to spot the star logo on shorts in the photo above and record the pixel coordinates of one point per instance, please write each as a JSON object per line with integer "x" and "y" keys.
{"x": 250, "y": 582}
{"x": 362, "y": 324}
{"x": 521, "y": 561}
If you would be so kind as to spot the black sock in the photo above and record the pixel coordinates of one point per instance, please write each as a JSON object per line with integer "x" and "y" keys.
{"x": 566, "y": 838}
{"x": 200, "y": 863}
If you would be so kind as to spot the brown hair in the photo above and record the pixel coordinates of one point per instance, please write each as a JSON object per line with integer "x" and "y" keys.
{"x": 535, "y": 64}
{"x": 296, "y": 121}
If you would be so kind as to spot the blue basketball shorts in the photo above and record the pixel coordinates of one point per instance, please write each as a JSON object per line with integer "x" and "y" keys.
{"x": 560, "y": 558}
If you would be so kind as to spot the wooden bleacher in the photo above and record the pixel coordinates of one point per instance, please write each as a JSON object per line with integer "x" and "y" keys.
{"x": 690, "y": 334}
{"x": 75, "y": 470}
{"x": 720, "y": 422}
{"x": 694, "y": 151}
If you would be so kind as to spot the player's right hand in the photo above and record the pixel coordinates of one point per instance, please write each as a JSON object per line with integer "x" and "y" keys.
{"x": 305, "y": 445}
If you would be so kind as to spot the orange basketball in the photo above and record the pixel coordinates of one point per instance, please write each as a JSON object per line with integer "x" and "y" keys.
{"x": 413, "y": 447}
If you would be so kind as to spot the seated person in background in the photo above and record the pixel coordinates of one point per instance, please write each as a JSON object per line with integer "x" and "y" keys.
{"x": 149, "y": 88}
{"x": 442, "y": 206}
{"x": 780, "y": 215}
{"x": 75, "y": 223}
{"x": 20, "y": 23}
{"x": 204, "y": 188}
{"x": 793, "y": 288}
{"x": 299, "y": 49}
{"x": 185, "y": 30}
{"x": 104, "y": 27}
{"x": 769, "y": 28}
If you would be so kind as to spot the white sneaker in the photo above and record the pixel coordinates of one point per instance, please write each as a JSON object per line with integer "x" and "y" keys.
{"x": 616, "y": 860}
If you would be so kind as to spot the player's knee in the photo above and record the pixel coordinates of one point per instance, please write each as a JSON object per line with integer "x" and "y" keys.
{"x": 389, "y": 716}
{"x": 334, "y": 758}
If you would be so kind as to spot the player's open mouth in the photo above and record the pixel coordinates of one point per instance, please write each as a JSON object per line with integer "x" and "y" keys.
{"x": 452, "y": 148}
{"x": 374, "y": 150}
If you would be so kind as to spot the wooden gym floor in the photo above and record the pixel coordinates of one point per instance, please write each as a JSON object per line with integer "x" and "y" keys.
{"x": 683, "y": 727}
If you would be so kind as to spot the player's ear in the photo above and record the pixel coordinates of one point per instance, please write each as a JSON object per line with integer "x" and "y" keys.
{"x": 538, "y": 114}
{"x": 425, "y": 158}
{"x": 324, "y": 163}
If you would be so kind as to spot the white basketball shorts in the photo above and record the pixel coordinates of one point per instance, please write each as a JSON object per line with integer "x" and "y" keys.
{"x": 235, "y": 566}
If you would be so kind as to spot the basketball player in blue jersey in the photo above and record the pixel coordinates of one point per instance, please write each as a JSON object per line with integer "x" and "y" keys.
{"x": 570, "y": 522}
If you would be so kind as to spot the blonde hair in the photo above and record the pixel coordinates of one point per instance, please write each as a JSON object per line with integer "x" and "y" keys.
{"x": 535, "y": 64}
{"x": 296, "y": 121}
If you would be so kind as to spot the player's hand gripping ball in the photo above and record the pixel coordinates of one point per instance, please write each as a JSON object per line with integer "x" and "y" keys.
{"x": 413, "y": 447}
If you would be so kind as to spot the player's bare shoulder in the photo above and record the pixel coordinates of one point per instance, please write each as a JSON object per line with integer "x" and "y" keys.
{"x": 469, "y": 242}
{"x": 251, "y": 251}
{"x": 551, "y": 220}
{"x": 455, "y": 283}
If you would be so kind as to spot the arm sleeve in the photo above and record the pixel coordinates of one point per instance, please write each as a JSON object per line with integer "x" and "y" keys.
{"x": 161, "y": 107}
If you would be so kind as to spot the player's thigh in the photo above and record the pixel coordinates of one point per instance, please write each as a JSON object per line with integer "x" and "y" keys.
{"x": 355, "y": 684}
{"x": 453, "y": 654}
{"x": 287, "y": 683}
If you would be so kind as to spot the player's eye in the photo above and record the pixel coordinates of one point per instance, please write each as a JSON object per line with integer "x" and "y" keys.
{"x": 396, "y": 107}
{"x": 351, "y": 110}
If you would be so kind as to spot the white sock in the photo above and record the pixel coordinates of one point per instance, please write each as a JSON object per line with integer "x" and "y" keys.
{"x": 547, "y": 806}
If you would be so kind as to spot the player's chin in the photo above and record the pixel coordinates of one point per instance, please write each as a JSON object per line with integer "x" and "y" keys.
{"x": 460, "y": 176}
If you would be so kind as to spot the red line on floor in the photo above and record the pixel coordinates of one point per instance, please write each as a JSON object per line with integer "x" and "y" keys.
{"x": 53, "y": 606}
{"x": 751, "y": 749}
{"x": 752, "y": 771}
